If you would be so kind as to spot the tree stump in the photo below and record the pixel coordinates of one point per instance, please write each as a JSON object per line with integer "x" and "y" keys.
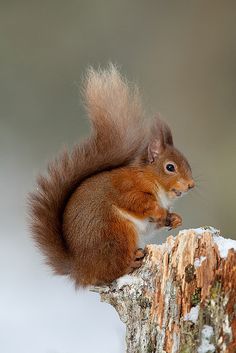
{"x": 183, "y": 298}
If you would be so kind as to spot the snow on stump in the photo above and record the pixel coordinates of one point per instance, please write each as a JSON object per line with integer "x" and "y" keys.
{"x": 183, "y": 298}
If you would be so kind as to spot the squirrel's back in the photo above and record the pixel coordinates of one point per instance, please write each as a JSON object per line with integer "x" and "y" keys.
{"x": 118, "y": 135}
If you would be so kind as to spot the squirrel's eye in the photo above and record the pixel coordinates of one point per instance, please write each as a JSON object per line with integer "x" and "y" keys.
{"x": 170, "y": 167}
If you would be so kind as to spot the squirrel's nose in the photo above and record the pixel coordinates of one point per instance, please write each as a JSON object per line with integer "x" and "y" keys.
{"x": 191, "y": 185}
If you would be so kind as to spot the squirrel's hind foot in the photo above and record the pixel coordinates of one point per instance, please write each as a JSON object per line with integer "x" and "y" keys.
{"x": 137, "y": 261}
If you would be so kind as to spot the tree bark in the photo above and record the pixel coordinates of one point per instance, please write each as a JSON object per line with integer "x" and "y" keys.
{"x": 183, "y": 298}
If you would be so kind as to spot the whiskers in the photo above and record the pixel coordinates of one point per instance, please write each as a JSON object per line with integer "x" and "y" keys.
{"x": 199, "y": 179}
{"x": 199, "y": 189}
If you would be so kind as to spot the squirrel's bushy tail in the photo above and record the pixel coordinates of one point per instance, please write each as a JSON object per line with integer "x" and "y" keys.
{"x": 118, "y": 134}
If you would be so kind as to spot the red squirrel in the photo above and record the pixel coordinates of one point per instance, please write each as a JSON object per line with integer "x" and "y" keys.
{"x": 118, "y": 184}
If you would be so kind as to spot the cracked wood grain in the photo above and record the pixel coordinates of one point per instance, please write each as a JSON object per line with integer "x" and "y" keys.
{"x": 182, "y": 299}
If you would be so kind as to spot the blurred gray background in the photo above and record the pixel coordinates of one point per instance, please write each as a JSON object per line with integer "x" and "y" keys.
{"x": 182, "y": 54}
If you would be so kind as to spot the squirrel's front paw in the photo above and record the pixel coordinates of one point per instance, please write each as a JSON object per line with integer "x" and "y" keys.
{"x": 160, "y": 218}
{"x": 173, "y": 220}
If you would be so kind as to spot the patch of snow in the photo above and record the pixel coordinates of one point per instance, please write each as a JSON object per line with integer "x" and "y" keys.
{"x": 193, "y": 314}
{"x": 127, "y": 280}
{"x": 202, "y": 230}
{"x": 206, "y": 346}
{"x": 224, "y": 245}
{"x": 199, "y": 230}
{"x": 198, "y": 262}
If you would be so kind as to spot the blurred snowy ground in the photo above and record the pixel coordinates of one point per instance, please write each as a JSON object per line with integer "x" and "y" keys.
{"x": 41, "y": 313}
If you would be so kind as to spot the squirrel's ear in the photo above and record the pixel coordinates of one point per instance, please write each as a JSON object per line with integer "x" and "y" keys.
{"x": 166, "y": 131}
{"x": 157, "y": 143}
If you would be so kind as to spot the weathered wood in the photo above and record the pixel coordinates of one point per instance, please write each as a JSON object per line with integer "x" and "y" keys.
{"x": 183, "y": 298}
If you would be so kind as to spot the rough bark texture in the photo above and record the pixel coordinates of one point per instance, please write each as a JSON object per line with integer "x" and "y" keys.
{"x": 183, "y": 298}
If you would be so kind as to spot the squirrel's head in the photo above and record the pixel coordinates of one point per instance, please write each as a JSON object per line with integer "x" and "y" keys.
{"x": 173, "y": 169}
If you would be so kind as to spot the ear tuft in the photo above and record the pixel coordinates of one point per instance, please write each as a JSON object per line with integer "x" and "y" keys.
{"x": 167, "y": 134}
{"x": 160, "y": 137}
{"x": 166, "y": 131}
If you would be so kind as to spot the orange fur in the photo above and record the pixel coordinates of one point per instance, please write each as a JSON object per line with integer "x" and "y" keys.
{"x": 84, "y": 212}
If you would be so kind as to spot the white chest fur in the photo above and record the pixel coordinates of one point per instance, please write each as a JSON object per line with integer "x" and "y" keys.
{"x": 164, "y": 199}
{"x": 143, "y": 226}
